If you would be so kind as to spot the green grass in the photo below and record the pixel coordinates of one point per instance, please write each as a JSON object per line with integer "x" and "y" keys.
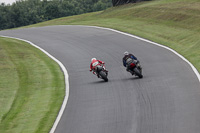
{"x": 32, "y": 85}
{"x": 174, "y": 23}
{"x": 31, "y": 88}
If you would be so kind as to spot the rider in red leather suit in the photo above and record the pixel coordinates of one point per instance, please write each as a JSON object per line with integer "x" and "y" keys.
{"x": 94, "y": 63}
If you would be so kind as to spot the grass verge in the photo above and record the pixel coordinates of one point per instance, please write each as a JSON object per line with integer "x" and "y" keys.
{"x": 174, "y": 23}
{"x": 31, "y": 88}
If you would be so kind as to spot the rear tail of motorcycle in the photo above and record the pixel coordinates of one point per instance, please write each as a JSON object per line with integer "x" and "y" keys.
{"x": 103, "y": 76}
{"x": 138, "y": 72}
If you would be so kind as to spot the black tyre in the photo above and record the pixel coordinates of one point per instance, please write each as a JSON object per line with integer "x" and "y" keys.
{"x": 138, "y": 73}
{"x": 103, "y": 75}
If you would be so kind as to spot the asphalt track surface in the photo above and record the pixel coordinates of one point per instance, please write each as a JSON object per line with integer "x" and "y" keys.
{"x": 166, "y": 100}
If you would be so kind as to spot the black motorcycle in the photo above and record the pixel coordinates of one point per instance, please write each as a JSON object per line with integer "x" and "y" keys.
{"x": 134, "y": 67}
{"x": 102, "y": 72}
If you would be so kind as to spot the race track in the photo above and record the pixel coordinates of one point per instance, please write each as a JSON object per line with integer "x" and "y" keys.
{"x": 166, "y": 100}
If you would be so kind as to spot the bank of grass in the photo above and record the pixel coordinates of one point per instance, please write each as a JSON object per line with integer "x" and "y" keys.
{"x": 174, "y": 23}
{"x": 32, "y": 85}
{"x": 31, "y": 88}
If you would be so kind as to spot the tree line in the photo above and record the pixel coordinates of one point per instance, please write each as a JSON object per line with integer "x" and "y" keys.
{"x": 122, "y": 2}
{"x": 26, "y": 12}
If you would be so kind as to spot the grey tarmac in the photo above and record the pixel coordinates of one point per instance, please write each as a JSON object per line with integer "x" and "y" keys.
{"x": 166, "y": 100}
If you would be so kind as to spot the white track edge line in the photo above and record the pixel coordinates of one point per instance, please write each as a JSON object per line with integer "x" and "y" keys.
{"x": 66, "y": 74}
{"x": 66, "y": 81}
{"x": 145, "y": 40}
{"x": 160, "y": 45}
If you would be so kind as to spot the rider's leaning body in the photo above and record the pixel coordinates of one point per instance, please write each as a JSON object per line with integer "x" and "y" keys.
{"x": 126, "y": 56}
{"x": 94, "y": 63}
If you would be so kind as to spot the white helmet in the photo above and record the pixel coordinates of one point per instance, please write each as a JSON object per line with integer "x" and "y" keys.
{"x": 126, "y": 53}
{"x": 93, "y": 59}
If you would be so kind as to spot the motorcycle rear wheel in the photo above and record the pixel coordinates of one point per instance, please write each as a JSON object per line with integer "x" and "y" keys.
{"x": 138, "y": 73}
{"x": 103, "y": 75}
